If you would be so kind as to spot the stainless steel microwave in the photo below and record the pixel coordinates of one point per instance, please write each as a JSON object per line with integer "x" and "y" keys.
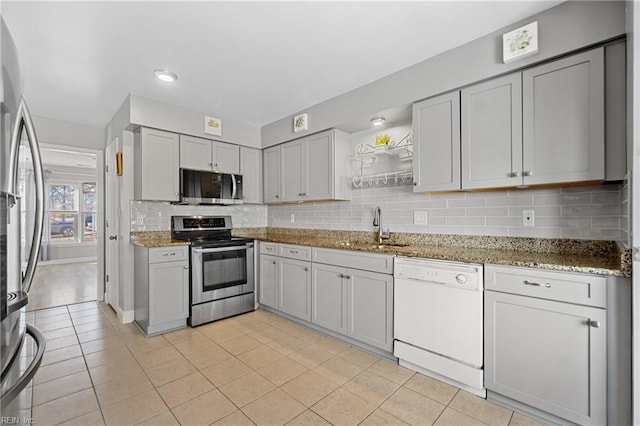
{"x": 201, "y": 187}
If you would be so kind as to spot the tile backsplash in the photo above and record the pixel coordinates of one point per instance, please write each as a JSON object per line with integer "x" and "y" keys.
{"x": 156, "y": 216}
{"x": 589, "y": 212}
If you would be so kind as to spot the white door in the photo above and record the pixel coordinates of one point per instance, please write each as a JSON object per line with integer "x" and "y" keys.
{"x": 111, "y": 226}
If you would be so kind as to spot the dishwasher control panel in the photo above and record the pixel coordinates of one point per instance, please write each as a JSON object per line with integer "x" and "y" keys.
{"x": 455, "y": 274}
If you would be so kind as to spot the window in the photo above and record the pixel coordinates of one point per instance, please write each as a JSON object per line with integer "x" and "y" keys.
{"x": 72, "y": 212}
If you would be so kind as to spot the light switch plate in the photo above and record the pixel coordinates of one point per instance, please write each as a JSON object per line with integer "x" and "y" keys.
{"x": 420, "y": 217}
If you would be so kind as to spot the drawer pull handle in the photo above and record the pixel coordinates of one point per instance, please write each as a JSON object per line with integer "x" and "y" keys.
{"x": 274, "y": 262}
{"x": 293, "y": 251}
{"x": 594, "y": 324}
{"x": 525, "y": 282}
{"x": 173, "y": 253}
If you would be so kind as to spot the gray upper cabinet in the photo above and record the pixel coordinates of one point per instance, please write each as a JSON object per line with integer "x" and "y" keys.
{"x": 251, "y": 171}
{"x": 563, "y": 120}
{"x": 436, "y": 151}
{"x": 492, "y": 133}
{"x": 156, "y": 176}
{"x": 293, "y": 169}
{"x": 311, "y": 168}
{"x": 205, "y": 154}
{"x": 271, "y": 175}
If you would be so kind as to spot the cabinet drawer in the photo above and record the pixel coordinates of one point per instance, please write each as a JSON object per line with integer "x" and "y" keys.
{"x": 269, "y": 248}
{"x": 356, "y": 260}
{"x": 561, "y": 286}
{"x": 168, "y": 254}
{"x": 295, "y": 252}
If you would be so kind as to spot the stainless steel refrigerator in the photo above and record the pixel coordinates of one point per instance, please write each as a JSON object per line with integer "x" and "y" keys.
{"x": 21, "y": 345}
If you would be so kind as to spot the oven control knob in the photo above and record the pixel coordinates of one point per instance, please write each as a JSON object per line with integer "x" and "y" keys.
{"x": 461, "y": 278}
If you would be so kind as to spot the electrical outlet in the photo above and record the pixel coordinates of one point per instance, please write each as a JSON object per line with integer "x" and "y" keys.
{"x": 420, "y": 217}
{"x": 293, "y": 218}
{"x": 528, "y": 218}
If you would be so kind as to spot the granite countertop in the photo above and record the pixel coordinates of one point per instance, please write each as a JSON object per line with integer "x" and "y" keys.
{"x": 584, "y": 256}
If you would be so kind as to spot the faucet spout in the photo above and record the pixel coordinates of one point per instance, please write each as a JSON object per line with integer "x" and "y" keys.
{"x": 377, "y": 221}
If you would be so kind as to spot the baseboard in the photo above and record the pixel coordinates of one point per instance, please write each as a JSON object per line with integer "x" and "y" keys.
{"x": 125, "y": 317}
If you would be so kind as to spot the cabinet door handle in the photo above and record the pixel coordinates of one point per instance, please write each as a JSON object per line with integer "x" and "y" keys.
{"x": 347, "y": 277}
{"x": 547, "y": 285}
{"x": 513, "y": 174}
{"x": 210, "y": 164}
{"x": 186, "y": 267}
{"x": 527, "y": 173}
{"x": 173, "y": 253}
{"x": 341, "y": 275}
{"x": 306, "y": 269}
{"x": 304, "y": 194}
{"x": 277, "y": 196}
{"x": 593, "y": 323}
{"x": 215, "y": 164}
{"x": 273, "y": 261}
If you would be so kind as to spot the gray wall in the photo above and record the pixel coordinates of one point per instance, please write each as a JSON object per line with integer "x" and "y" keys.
{"x": 562, "y": 29}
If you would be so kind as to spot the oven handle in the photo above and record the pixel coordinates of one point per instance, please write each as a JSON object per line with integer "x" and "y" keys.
{"x": 220, "y": 249}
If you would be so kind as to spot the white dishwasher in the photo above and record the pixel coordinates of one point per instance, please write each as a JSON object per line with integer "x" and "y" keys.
{"x": 438, "y": 320}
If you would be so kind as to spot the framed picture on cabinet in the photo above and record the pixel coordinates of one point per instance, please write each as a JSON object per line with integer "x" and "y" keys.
{"x": 300, "y": 122}
{"x": 520, "y": 43}
{"x": 212, "y": 125}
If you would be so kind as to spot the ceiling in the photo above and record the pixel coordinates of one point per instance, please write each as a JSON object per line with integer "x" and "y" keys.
{"x": 253, "y": 62}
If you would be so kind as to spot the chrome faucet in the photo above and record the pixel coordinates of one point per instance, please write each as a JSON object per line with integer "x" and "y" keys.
{"x": 377, "y": 221}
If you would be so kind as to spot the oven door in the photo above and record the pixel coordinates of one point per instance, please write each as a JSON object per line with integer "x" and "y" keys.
{"x": 221, "y": 272}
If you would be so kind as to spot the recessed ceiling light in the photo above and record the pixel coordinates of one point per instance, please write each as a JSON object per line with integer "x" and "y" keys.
{"x": 378, "y": 121}
{"x": 165, "y": 75}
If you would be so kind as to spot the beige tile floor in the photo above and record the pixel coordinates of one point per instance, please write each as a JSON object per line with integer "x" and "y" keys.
{"x": 256, "y": 368}
{"x": 64, "y": 284}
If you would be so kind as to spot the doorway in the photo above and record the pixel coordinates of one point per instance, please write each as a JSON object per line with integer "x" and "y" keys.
{"x": 68, "y": 270}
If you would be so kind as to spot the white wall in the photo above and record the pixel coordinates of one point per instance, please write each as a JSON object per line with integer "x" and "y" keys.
{"x": 68, "y": 133}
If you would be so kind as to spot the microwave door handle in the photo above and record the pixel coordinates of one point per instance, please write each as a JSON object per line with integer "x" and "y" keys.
{"x": 220, "y": 249}
{"x": 235, "y": 187}
{"x": 23, "y": 117}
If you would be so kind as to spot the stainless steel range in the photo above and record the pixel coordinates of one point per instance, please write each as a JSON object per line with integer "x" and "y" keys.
{"x": 222, "y": 268}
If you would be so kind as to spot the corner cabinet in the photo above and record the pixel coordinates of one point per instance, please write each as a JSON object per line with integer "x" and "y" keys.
{"x": 308, "y": 169}
{"x": 251, "y": 171}
{"x": 156, "y": 171}
{"x": 209, "y": 155}
{"x": 161, "y": 288}
{"x": 436, "y": 146}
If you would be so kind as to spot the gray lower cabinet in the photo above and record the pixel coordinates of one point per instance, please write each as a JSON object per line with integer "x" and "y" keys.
{"x": 161, "y": 288}
{"x": 370, "y": 307}
{"x": 355, "y": 303}
{"x": 547, "y": 355}
{"x": 329, "y": 297}
{"x": 294, "y": 288}
{"x": 269, "y": 281}
{"x": 556, "y": 343}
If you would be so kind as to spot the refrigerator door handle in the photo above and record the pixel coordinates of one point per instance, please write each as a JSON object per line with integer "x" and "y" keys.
{"x": 10, "y": 394}
{"x": 24, "y": 120}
